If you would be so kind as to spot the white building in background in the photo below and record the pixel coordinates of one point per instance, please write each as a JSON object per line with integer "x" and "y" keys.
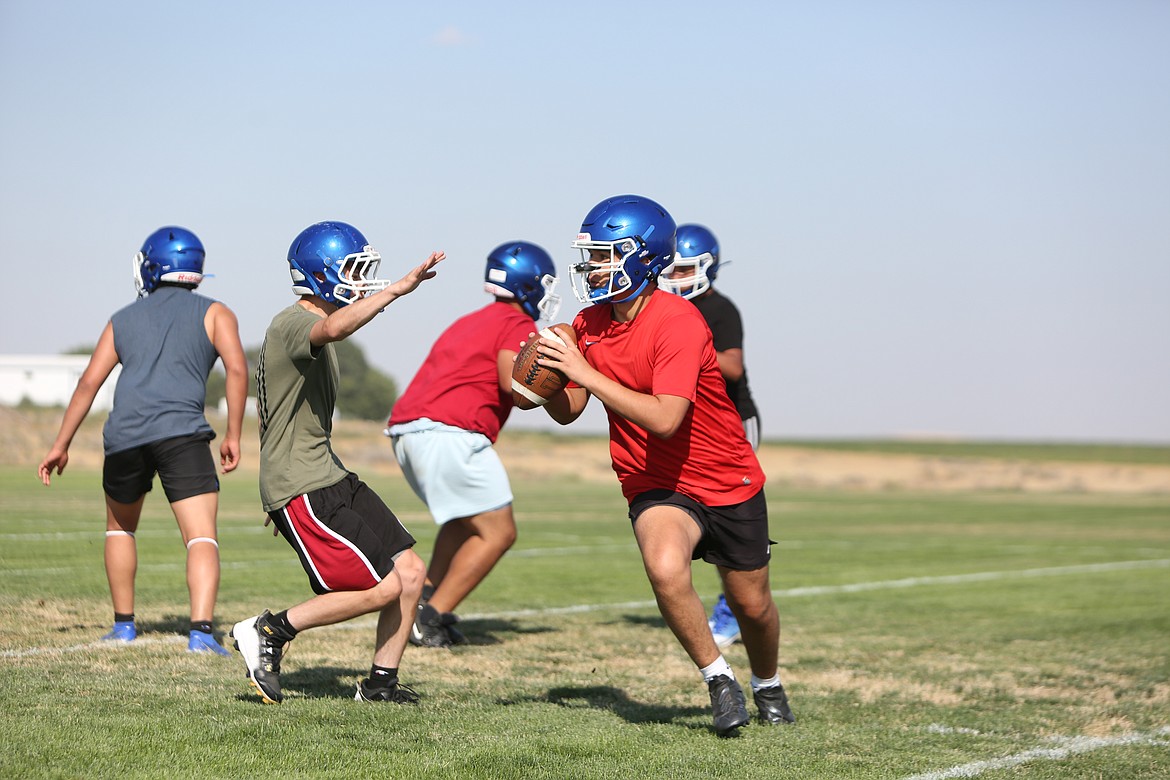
{"x": 49, "y": 380}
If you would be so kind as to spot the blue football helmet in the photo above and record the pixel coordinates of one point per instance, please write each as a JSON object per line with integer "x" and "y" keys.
{"x": 696, "y": 262}
{"x": 333, "y": 261}
{"x": 525, "y": 273}
{"x": 169, "y": 254}
{"x": 625, "y": 242}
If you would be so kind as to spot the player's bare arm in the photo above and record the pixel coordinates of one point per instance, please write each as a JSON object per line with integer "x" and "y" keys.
{"x": 101, "y": 363}
{"x": 344, "y": 321}
{"x": 224, "y": 332}
{"x": 730, "y": 364}
{"x": 504, "y": 361}
{"x": 567, "y": 405}
{"x": 661, "y": 415}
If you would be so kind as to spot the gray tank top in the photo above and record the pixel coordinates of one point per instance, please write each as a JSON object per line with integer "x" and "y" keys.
{"x": 166, "y": 356}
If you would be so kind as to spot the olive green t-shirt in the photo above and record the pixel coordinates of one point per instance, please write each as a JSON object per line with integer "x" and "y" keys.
{"x": 296, "y": 391}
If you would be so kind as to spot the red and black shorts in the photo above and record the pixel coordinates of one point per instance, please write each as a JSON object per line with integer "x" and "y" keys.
{"x": 184, "y": 465}
{"x": 734, "y": 537}
{"x": 346, "y": 537}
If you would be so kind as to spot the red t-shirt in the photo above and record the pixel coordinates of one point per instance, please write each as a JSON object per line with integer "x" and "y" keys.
{"x": 459, "y": 382}
{"x": 667, "y": 350}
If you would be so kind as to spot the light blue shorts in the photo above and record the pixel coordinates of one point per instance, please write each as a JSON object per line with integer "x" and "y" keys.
{"x": 455, "y": 472}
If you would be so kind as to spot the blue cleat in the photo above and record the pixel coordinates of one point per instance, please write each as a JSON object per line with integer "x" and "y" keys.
{"x": 124, "y": 631}
{"x": 200, "y": 642}
{"x": 724, "y": 627}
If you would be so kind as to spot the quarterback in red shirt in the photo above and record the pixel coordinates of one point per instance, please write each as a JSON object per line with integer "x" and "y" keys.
{"x": 693, "y": 482}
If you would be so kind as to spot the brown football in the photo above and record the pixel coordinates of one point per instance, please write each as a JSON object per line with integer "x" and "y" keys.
{"x": 534, "y": 385}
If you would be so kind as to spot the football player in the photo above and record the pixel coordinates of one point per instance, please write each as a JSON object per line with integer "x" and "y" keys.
{"x": 444, "y": 426}
{"x": 691, "y": 478}
{"x": 696, "y": 264}
{"x": 356, "y": 553}
{"x": 167, "y": 342}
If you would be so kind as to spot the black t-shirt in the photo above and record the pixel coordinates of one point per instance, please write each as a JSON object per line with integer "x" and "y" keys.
{"x": 727, "y": 328}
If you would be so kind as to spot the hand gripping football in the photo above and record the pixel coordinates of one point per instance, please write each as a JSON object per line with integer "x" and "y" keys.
{"x": 534, "y": 385}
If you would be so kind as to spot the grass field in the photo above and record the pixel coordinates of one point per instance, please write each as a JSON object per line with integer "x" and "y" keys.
{"x": 932, "y": 635}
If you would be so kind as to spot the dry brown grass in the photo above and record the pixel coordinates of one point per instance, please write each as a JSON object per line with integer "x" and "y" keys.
{"x": 25, "y": 436}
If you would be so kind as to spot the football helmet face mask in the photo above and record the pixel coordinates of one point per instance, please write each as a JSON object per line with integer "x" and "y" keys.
{"x": 169, "y": 254}
{"x": 525, "y": 273}
{"x": 625, "y": 242}
{"x": 696, "y": 262}
{"x": 333, "y": 261}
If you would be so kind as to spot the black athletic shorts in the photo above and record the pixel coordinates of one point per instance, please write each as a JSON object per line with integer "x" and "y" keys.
{"x": 183, "y": 463}
{"x": 734, "y": 537}
{"x": 346, "y": 537}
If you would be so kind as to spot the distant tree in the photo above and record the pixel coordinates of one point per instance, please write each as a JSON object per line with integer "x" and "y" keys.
{"x": 216, "y": 387}
{"x": 81, "y": 349}
{"x": 365, "y": 392}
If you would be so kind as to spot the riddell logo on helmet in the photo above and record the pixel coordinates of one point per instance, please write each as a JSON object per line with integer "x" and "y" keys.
{"x": 582, "y": 236}
{"x": 188, "y": 278}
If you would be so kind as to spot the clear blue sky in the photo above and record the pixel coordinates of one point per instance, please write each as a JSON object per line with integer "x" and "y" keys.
{"x": 942, "y": 218}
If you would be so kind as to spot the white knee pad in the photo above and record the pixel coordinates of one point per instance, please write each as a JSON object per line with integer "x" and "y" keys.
{"x": 119, "y": 533}
{"x": 199, "y": 539}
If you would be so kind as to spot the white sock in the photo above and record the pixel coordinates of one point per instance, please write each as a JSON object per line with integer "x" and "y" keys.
{"x": 771, "y": 682}
{"x": 720, "y": 666}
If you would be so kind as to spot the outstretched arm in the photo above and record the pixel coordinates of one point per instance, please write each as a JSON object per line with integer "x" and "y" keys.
{"x": 101, "y": 363}
{"x": 347, "y": 320}
{"x": 226, "y": 339}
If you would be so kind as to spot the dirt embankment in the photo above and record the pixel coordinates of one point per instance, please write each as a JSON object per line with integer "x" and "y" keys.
{"x": 26, "y": 435}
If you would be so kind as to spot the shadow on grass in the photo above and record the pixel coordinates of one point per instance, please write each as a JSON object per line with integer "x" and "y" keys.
{"x": 615, "y": 700}
{"x": 486, "y": 631}
{"x": 179, "y": 625}
{"x": 648, "y": 621}
{"x": 320, "y": 682}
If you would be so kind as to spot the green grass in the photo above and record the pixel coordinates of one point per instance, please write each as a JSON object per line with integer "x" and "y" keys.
{"x": 1103, "y": 453}
{"x": 911, "y": 673}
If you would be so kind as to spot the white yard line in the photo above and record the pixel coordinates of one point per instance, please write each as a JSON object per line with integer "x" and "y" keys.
{"x": 984, "y": 576}
{"x": 827, "y": 590}
{"x": 95, "y": 645}
{"x": 1061, "y": 748}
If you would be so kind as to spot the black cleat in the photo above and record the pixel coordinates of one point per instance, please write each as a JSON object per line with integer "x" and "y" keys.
{"x": 262, "y": 652}
{"x": 449, "y": 619}
{"x": 773, "y": 704}
{"x": 428, "y": 629}
{"x": 396, "y": 693}
{"x": 727, "y": 704}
